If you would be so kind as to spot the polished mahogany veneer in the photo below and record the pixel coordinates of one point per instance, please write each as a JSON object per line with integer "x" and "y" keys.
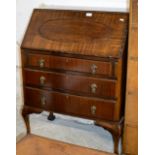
{"x": 70, "y": 104}
{"x": 76, "y": 83}
{"x": 70, "y": 64}
{"x": 74, "y": 63}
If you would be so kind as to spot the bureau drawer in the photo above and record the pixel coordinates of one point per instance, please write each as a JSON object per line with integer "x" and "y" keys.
{"x": 92, "y": 108}
{"x": 73, "y": 83}
{"x": 38, "y": 60}
{"x": 70, "y": 64}
{"x": 38, "y": 99}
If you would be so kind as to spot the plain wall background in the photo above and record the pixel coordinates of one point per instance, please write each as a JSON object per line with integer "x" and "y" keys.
{"x": 25, "y": 8}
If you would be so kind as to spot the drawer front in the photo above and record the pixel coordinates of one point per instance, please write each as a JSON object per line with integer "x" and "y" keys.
{"x": 77, "y": 84}
{"x": 38, "y": 99}
{"x": 70, "y": 104}
{"x": 86, "y": 107}
{"x": 70, "y": 64}
{"x": 38, "y": 60}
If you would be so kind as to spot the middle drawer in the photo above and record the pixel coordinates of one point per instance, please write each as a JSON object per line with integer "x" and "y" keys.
{"x": 82, "y": 85}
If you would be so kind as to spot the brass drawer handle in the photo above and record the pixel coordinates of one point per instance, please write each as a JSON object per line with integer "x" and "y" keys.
{"x": 93, "y": 110}
{"x": 43, "y": 101}
{"x": 93, "y": 88}
{"x": 41, "y": 63}
{"x": 42, "y": 80}
{"x": 93, "y": 69}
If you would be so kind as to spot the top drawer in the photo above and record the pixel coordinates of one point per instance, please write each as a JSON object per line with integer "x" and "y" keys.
{"x": 70, "y": 64}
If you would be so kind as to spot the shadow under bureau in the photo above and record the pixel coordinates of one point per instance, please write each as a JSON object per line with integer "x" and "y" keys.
{"x": 74, "y": 63}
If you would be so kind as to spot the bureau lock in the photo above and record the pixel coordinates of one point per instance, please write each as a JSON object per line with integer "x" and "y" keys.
{"x": 43, "y": 101}
{"x": 41, "y": 63}
{"x": 93, "y": 110}
{"x": 42, "y": 80}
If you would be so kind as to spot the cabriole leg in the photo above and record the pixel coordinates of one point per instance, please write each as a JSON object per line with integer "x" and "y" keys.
{"x": 115, "y": 128}
{"x": 25, "y": 113}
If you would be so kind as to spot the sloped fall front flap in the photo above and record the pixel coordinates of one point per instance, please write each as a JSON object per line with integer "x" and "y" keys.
{"x": 77, "y": 32}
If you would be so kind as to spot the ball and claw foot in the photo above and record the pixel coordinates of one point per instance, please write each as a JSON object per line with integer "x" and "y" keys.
{"x": 51, "y": 117}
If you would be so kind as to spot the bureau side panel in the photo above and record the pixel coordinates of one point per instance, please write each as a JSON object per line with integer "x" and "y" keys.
{"x": 120, "y": 89}
{"x": 23, "y": 62}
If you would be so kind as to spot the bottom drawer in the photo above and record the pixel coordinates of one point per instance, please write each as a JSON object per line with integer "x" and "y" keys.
{"x": 86, "y": 107}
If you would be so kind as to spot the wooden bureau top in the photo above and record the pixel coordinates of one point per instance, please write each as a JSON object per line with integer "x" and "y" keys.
{"x": 100, "y": 34}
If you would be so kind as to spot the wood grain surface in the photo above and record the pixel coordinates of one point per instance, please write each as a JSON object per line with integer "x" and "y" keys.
{"x": 130, "y": 142}
{"x": 70, "y": 64}
{"x": 70, "y": 104}
{"x": 102, "y": 34}
{"x": 80, "y": 84}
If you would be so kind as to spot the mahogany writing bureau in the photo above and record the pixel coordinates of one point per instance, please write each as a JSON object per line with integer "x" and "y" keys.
{"x": 74, "y": 63}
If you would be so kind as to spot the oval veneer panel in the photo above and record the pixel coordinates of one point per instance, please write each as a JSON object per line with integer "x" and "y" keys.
{"x": 72, "y": 32}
